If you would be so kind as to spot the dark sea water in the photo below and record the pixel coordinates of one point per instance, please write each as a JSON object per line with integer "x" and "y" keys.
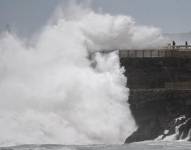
{"x": 147, "y": 145}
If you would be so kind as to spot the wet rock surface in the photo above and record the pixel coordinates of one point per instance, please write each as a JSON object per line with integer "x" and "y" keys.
{"x": 160, "y": 97}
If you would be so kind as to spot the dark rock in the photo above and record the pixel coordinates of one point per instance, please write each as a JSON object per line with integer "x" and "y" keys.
{"x": 160, "y": 92}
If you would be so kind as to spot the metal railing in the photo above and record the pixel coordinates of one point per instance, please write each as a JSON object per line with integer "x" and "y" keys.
{"x": 172, "y": 51}
{"x": 143, "y": 53}
{"x": 180, "y": 46}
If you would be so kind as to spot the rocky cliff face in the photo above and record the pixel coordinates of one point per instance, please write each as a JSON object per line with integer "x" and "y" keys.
{"x": 160, "y": 97}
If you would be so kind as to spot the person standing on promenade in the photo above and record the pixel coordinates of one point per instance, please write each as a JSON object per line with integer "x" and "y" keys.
{"x": 173, "y": 44}
{"x": 186, "y": 44}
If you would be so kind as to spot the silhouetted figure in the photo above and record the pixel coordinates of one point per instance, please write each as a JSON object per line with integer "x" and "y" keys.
{"x": 173, "y": 44}
{"x": 186, "y": 44}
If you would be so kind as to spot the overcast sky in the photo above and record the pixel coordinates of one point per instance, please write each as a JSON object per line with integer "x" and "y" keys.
{"x": 172, "y": 16}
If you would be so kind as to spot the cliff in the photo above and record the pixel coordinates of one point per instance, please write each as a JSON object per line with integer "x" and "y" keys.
{"x": 160, "y": 96}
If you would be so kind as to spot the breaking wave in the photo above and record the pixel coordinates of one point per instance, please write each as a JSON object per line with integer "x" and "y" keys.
{"x": 50, "y": 93}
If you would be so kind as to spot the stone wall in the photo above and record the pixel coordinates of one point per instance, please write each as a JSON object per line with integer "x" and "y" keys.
{"x": 155, "y": 100}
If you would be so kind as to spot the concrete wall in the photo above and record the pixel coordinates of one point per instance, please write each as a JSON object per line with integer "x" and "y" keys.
{"x": 156, "y": 97}
{"x": 156, "y": 72}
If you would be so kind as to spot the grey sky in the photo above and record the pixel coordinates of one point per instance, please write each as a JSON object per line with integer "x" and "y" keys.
{"x": 27, "y": 16}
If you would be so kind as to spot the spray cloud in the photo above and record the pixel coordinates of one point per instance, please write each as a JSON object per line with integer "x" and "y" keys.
{"x": 49, "y": 93}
